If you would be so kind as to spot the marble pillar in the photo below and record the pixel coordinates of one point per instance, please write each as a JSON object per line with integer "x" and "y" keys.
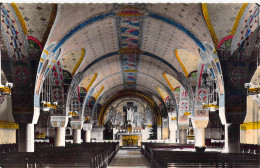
{"x": 172, "y": 136}
{"x": 87, "y": 127}
{"x": 199, "y": 134}
{"x": 183, "y": 136}
{"x": 76, "y": 136}
{"x": 59, "y": 136}
{"x": 87, "y": 136}
{"x": 159, "y": 132}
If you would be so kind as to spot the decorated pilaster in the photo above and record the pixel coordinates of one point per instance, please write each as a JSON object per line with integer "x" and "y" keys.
{"x": 18, "y": 67}
{"x": 205, "y": 90}
{"x": 238, "y": 63}
{"x": 77, "y": 120}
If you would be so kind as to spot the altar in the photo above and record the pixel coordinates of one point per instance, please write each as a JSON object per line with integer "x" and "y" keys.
{"x": 130, "y": 139}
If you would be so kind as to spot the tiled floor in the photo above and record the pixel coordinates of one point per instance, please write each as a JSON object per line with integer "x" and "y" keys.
{"x": 129, "y": 158}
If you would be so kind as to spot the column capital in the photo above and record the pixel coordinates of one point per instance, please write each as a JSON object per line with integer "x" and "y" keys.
{"x": 87, "y": 126}
{"x": 76, "y": 124}
{"x": 59, "y": 121}
{"x": 200, "y": 119}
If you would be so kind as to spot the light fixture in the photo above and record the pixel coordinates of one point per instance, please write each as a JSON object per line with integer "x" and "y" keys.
{"x": 4, "y": 89}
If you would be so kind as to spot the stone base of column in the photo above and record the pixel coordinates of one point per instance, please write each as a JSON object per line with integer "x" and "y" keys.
{"x": 76, "y": 136}
{"x": 232, "y": 138}
{"x": 182, "y": 136}
{"x": 200, "y": 149}
{"x": 26, "y": 138}
{"x": 60, "y": 136}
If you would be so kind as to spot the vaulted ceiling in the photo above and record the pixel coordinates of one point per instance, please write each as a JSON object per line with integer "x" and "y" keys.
{"x": 129, "y": 46}
{"x": 131, "y": 50}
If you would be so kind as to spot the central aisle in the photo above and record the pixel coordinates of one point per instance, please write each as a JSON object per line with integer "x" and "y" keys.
{"x": 129, "y": 158}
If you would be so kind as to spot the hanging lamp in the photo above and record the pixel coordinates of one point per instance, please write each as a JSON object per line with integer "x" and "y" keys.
{"x": 4, "y": 89}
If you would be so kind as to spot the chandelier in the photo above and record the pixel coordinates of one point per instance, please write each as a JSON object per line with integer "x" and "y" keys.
{"x": 4, "y": 89}
{"x": 47, "y": 105}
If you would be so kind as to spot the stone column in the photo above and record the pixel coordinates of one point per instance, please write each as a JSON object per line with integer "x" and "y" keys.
{"x": 199, "y": 134}
{"x": 87, "y": 136}
{"x": 232, "y": 138}
{"x": 233, "y": 106}
{"x": 183, "y": 136}
{"x": 87, "y": 128}
{"x": 76, "y": 126}
{"x": 76, "y": 136}
{"x": 59, "y": 123}
{"x": 200, "y": 122}
{"x": 172, "y": 126}
{"x": 159, "y": 132}
{"x": 183, "y": 125}
{"x": 59, "y": 136}
{"x": 115, "y": 131}
{"x": 173, "y": 135}
{"x": 26, "y": 138}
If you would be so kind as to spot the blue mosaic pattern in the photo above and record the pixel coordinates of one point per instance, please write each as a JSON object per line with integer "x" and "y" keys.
{"x": 10, "y": 30}
{"x": 129, "y": 36}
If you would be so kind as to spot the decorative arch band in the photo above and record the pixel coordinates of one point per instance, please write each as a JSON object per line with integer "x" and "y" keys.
{"x": 208, "y": 22}
{"x": 20, "y": 17}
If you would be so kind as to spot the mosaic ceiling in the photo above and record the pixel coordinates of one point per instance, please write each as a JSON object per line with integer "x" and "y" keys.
{"x": 37, "y": 18}
{"x": 133, "y": 46}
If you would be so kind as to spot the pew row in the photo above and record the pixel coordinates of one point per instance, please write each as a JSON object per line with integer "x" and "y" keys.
{"x": 164, "y": 156}
{"x": 92, "y": 155}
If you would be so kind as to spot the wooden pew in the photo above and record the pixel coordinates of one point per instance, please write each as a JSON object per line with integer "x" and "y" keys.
{"x": 207, "y": 159}
{"x": 250, "y": 148}
{"x": 165, "y": 157}
{"x": 74, "y": 155}
{"x": 147, "y": 146}
{"x": 4, "y": 148}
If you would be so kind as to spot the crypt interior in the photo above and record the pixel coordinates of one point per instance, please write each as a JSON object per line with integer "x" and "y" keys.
{"x": 129, "y": 85}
